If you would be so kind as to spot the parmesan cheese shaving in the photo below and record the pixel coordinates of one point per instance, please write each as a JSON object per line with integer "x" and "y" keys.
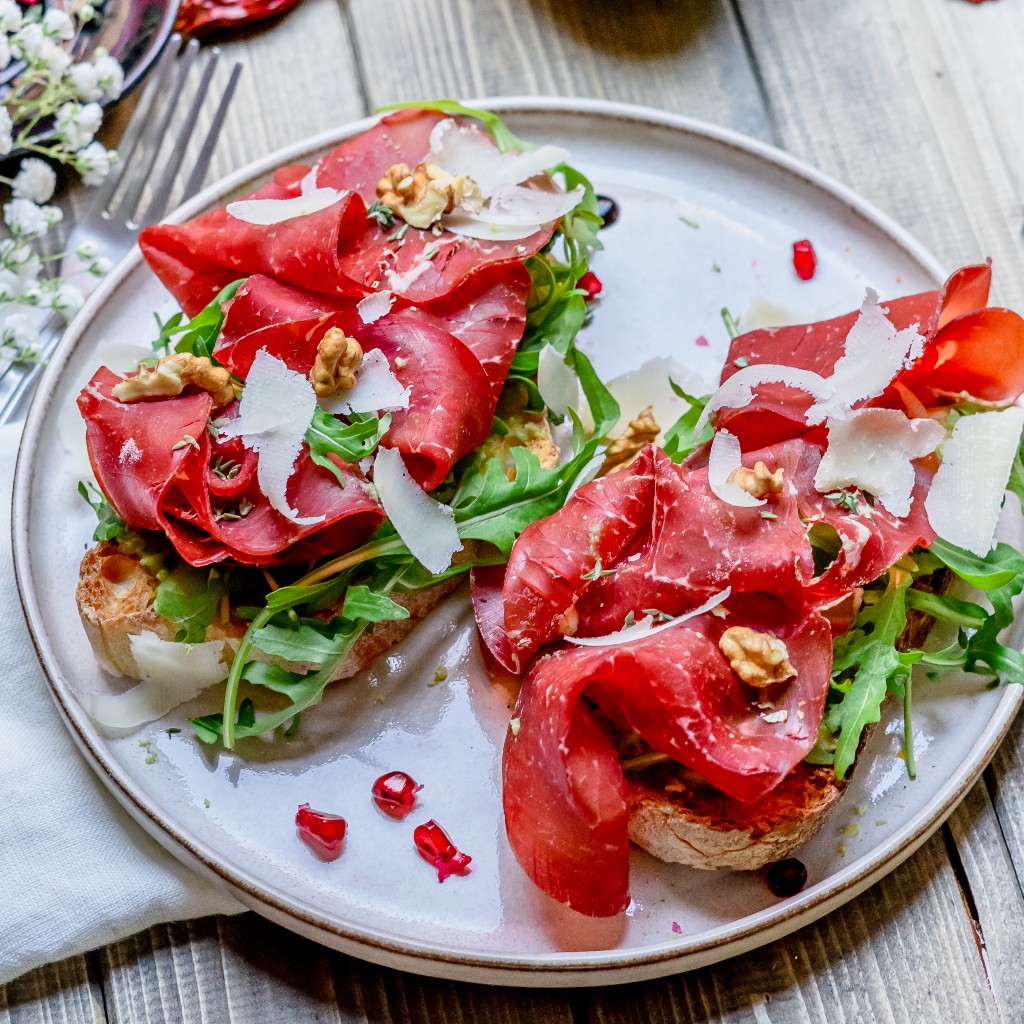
{"x": 276, "y": 409}
{"x": 425, "y": 526}
{"x": 513, "y": 212}
{"x": 374, "y": 306}
{"x": 875, "y": 352}
{"x": 646, "y": 627}
{"x": 738, "y": 390}
{"x": 967, "y": 493}
{"x": 172, "y": 674}
{"x": 557, "y": 382}
{"x": 726, "y": 457}
{"x": 377, "y": 389}
{"x": 276, "y": 211}
{"x": 466, "y": 150}
{"x": 872, "y": 449}
{"x": 401, "y": 282}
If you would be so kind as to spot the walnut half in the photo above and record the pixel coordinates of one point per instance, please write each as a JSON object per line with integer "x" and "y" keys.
{"x": 641, "y": 430}
{"x": 758, "y": 481}
{"x": 172, "y": 375}
{"x": 759, "y": 659}
{"x": 337, "y": 359}
{"x": 423, "y": 195}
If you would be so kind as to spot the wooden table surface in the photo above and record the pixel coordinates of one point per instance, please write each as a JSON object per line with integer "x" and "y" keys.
{"x": 917, "y": 105}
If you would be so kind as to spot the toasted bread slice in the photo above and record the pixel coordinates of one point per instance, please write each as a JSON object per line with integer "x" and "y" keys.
{"x": 677, "y": 817}
{"x": 115, "y": 600}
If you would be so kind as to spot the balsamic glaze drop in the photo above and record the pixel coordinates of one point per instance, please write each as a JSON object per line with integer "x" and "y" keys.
{"x": 787, "y": 877}
{"x": 607, "y": 210}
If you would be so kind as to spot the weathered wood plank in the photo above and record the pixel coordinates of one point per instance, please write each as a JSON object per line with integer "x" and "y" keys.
{"x": 906, "y": 104}
{"x": 688, "y": 58}
{"x": 900, "y": 953}
{"x": 68, "y": 992}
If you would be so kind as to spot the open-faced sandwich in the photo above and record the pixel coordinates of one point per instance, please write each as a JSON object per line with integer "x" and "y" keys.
{"x": 379, "y": 392}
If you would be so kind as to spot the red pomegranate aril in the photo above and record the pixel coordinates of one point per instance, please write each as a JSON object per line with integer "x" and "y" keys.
{"x": 323, "y": 833}
{"x": 434, "y": 846}
{"x": 805, "y": 262}
{"x": 395, "y": 794}
{"x": 591, "y": 284}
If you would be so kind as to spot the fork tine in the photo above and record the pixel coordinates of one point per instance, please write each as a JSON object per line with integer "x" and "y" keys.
{"x": 162, "y": 191}
{"x": 101, "y": 198}
{"x": 202, "y": 165}
{"x": 158, "y": 130}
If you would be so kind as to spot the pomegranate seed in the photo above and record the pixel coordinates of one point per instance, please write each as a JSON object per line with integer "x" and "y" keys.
{"x": 323, "y": 833}
{"x": 591, "y": 284}
{"x": 395, "y": 794}
{"x": 434, "y": 846}
{"x": 804, "y": 260}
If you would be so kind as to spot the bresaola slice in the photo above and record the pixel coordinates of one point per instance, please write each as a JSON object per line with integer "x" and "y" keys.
{"x": 337, "y": 249}
{"x": 563, "y": 787}
{"x": 170, "y": 487}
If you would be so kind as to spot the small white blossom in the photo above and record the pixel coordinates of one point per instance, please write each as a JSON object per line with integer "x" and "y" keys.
{"x": 84, "y": 80}
{"x": 5, "y": 52}
{"x": 94, "y": 162}
{"x": 10, "y": 16}
{"x": 64, "y": 298}
{"x": 52, "y": 215}
{"x": 109, "y": 76}
{"x": 35, "y": 180}
{"x": 101, "y": 266}
{"x": 55, "y": 59}
{"x": 77, "y": 124}
{"x": 6, "y": 132}
{"x": 28, "y": 41}
{"x": 86, "y": 13}
{"x": 24, "y": 218}
{"x": 86, "y": 250}
{"x": 21, "y": 260}
{"x": 19, "y": 330}
{"x": 57, "y": 24}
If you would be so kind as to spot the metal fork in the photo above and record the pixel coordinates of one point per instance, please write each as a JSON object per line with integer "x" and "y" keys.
{"x": 117, "y": 212}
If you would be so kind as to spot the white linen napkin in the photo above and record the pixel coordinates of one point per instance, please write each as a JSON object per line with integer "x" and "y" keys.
{"x": 75, "y": 871}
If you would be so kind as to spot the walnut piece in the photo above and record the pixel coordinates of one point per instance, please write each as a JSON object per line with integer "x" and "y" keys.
{"x": 546, "y": 451}
{"x": 569, "y": 622}
{"x": 423, "y": 195}
{"x": 640, "y": 431}
{"x": 172, "y": 375}
{"x": 758, "y": 481}
{"x": 759, "y": 659}
{"x": 337, "y": 359}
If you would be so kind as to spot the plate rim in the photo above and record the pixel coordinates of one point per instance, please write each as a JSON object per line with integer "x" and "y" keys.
{"x": 537, "y": 969}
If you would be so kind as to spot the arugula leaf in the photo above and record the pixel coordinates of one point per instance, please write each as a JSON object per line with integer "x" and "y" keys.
{"x": 965, "y": 614}
{"x": 603, "y": 407}
{"x": 189, "y": 598}
{"x": 995, "y": 570}
{"x": 328, "y": 435}
{"x": 682, "y": 437}
{"x": 503, "y": 138}
{"x": 199, "y": 335}
{"x": 110, "y": 524}
{"x": 363, "y": 604}
{"x": 310, "y": 641}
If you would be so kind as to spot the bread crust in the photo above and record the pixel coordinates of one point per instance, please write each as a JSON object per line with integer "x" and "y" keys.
{"x": 115, "y": 597}
{"x": 677, "y": 817}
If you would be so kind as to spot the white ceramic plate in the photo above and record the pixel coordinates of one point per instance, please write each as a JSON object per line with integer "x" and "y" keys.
{"x": 707, "y": 220}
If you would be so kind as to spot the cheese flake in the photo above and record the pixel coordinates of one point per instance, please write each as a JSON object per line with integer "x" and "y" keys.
{"x": 557, "y": 382}
{"x": 377, "y": 389}
{"x": 426, "y": 526}
{"x": 738, "y": 391}
{"x": 264, "y": 212}
{"x": 646, "y": 627}
{"x": 374, "y": 306}
{"x": 276, "y": 409}
{"x": 513, "y": 212}
{"x": 967, "y": 493}
{"x": 724, "y": 459}
{"x": 872, "y": 449}
{"x": 171, "y": 673}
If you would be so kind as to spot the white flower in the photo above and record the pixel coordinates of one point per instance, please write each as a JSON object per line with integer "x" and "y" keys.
{"x": 101, "y": 266}
{"x": 86, "y": 250}
{"x": 57, "y": 24}
{"x": 52, "y": 215}
{"x": 35, "y": 180}
{"x": 24, "y": 218}
{"x": 94, "y": 162}
{"x": 64, "y": 298}
{"x": 10, "y": 16}
{"x": 21, "y": 260}
{"x": 5, "y": 52}
{"x": 77, "y": 124}
{"x": 84, "y": 80}
{"x": 28, "y": 41}
{"x": 86, "y": 13}
{"x": 18, "y": 329}
{"x": 55, "y": 59}
{"x": 6, "y": 130}
{"x": 109, "y": 76}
